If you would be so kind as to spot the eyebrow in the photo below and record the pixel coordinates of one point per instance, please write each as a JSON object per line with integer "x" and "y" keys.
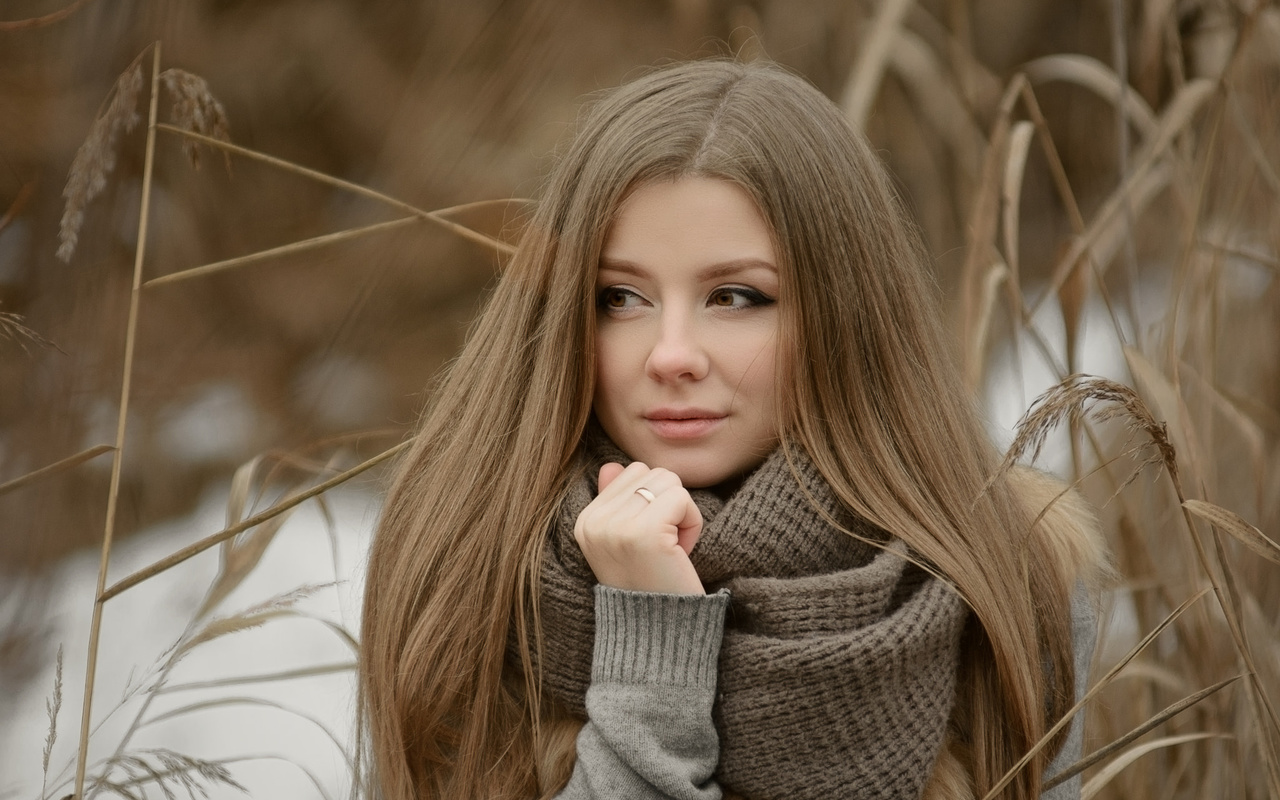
{"x": 713, "y": 272}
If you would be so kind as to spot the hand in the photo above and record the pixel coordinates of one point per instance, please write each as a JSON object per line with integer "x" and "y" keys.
{"x": 637, "y": 544}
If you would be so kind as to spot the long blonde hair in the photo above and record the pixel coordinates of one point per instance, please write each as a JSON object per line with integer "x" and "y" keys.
{"x": 867, "y": 389}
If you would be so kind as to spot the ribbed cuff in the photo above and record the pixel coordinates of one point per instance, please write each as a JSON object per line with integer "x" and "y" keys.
{"x": 650, "y": 638}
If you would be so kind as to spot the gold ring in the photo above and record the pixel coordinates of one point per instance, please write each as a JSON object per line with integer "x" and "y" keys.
{"x": 645, "y": 493}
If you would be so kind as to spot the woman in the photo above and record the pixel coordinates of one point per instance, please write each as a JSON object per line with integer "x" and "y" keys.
{"x": 702, "y": 505}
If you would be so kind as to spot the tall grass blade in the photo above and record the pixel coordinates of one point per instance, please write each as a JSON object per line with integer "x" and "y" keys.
{"x": 56, "y": 467}
{"x": 1109, "y": 772}
{"x": 18, "y": 204}
{"x": 1231, "y": 410}
{"x": 1073, "y": 296}
{"x": 1266, "y": 169}
{"x": 214, "y": 539}
{"x": 996, "y": 276}
{"x": 344, "y": 635}
{"x": 310, "y": 775}
{"x": 1181, "y": 112}
{"x": 239, "y": 557}
{"x": 1097, "y": 687}
{"x": 131, "y": 331}
{"x": 293, "y": 248}
{"x": 978, "y": 275}
{"x": 1263, "y": 705}
{"x": 266, "y": 677}
{"x": 1091, "y": 74}
{"x": 364, "y": 191}
{"x": 224, "y": 702}
{"x": 873, "y": 58}
{"x": 1015, "y": 166}
{"x": 241, "y": 554}
{"x": 1151, "y": 724}
{"x": 314, "y": 243}
{"x": 938, "y": 101}
{"x": 9, "y": 26}
{"x": 1268, "y": 262}
{"x": 1234, "y": 524}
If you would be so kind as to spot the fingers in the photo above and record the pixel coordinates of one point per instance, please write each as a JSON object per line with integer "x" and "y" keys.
{"x": 634, "y": 542}
{"x": 607, "y": 474}
{"x": 658, "y": 482}
{"x": 617, "y": 483}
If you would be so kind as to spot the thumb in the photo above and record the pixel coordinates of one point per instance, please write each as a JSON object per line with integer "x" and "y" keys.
{"x": 607, "y": 474}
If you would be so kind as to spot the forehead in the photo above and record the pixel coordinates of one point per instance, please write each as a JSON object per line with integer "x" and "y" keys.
{"x": 698, "y": 222}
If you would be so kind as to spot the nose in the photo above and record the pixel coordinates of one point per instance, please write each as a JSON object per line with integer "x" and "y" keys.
{"x": 678, "y": 354}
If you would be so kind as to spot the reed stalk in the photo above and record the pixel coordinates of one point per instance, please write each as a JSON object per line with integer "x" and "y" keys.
{"x": 113, "y": 493}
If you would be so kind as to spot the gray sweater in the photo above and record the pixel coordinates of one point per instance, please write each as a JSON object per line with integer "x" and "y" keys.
{"x": 650, "y": 733}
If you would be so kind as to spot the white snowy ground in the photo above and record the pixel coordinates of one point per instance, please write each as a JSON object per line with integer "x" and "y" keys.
{"x": 141, "y": 623}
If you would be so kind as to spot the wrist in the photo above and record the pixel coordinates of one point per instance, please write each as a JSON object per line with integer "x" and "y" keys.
{"x": 680, "y": 582}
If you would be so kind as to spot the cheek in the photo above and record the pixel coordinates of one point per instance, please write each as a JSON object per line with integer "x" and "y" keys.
{"x": 751, "y": 360}
{"x": 756, "y": 382}
{"x": 613, "y": 377}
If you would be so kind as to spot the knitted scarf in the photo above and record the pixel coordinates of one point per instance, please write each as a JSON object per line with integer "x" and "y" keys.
{"x": 838, "y": 664}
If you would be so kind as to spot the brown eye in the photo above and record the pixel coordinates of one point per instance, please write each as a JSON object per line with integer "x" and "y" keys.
{"x": 738, "y": 298}
{"x": 615, "y": 298}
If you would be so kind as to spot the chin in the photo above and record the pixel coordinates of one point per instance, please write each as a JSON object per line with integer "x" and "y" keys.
{"x": 700, "y": 478}
{"x": 705, "y": 471}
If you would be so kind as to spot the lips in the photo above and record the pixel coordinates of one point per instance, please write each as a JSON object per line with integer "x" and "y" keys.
{"x": 690, "y": 423}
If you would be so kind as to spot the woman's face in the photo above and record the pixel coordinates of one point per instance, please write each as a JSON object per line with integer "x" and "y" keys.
{"x": 687, "y": 327}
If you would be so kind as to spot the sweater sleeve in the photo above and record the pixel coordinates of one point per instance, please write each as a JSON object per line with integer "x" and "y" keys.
{"x": 649, "y": 733}
{"x": 1084, "y": 635}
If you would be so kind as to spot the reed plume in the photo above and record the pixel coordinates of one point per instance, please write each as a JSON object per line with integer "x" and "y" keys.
{"x": 96, "y": 158}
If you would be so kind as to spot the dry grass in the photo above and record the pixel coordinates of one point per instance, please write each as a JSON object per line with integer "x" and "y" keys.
{"x": 1133, "y": 168}
{"x": 12, "y": 329}
{"x": 1194, "y": 715}
{"x": 195, "y": 109}
{"x": 96, "y": 158}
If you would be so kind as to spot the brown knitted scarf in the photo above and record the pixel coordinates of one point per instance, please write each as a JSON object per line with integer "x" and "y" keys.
{"x": 838, "y": 664}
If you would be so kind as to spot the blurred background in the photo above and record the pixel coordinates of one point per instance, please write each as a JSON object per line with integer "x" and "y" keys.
{"x": 1162, "y": 116}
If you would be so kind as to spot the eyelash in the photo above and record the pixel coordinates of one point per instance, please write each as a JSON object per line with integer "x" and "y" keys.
{"x": 753, "y": 297}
